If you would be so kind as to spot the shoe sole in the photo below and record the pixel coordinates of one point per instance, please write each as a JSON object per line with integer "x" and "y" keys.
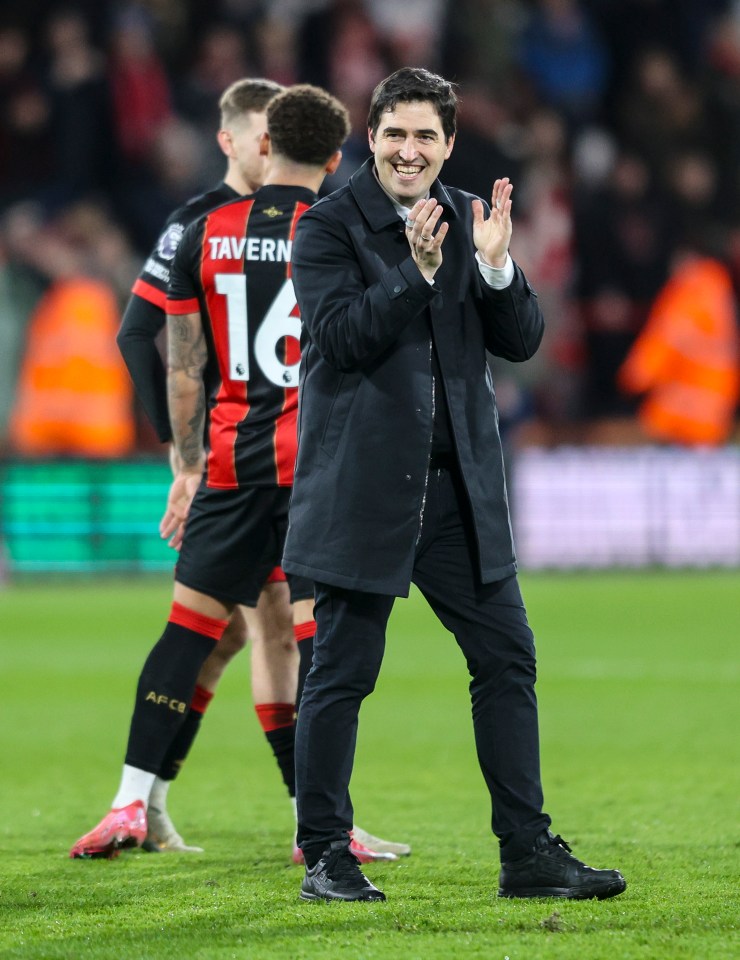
{"x": 315, "y": 896}
{"x": 612, "y": 889}
{"x": 151, "y": 846}
{"x": 109, "y": 852}
{"x": 397, "y": 849}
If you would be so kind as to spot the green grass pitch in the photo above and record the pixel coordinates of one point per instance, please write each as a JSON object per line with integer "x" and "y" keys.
{"x": 640, "y": 725}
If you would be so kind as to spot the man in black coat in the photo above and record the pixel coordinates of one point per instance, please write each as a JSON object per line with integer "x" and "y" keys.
{"x": 403, "y": 285}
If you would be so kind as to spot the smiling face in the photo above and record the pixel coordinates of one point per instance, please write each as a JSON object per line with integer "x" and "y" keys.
{"x": 409, "y": 148}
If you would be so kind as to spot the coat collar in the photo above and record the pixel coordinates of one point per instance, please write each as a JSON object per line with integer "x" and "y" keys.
{"x": 375, "y": 205}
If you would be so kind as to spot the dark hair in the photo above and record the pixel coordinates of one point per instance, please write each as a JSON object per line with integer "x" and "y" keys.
{"x": 244, "y": 96}
{"x": 412, "y": 84}
{"x": 307, "y": 125}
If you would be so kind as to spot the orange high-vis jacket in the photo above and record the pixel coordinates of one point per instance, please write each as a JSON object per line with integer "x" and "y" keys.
{"x": 686, "y": 359}
{"x": 74, "y": 395}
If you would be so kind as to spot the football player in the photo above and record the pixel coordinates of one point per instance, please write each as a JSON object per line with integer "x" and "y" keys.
{"x": 165, "y": 722}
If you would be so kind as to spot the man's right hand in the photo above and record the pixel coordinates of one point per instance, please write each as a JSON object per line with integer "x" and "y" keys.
{"x": 181, "y": 494}
{"x": 426, "y": 247}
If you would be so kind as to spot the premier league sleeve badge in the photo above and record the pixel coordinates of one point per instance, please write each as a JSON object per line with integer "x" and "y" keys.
{"x": 170, "y": 240}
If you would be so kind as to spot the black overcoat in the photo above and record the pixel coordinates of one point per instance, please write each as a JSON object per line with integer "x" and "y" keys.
{"x": 366, "y": 397}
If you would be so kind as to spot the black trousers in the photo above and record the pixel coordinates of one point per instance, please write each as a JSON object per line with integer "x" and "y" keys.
{"x": 490, "y": 625}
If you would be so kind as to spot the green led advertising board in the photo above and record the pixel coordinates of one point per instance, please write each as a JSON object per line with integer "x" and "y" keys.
{"x": 68, "y": 516}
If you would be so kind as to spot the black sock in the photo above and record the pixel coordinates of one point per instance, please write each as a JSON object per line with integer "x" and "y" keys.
{"x": 278, "y": 722}
{"x": 167, "y": 683}
{"x": 185, "y": 736}
{"x": 282, "y": 742}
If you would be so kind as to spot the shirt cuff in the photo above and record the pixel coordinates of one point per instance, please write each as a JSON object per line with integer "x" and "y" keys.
{"x": 497, "y": 277}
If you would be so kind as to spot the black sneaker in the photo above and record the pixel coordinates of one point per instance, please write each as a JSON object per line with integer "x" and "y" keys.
{"x": 337, "y": 876}
{"x": 551, "y": 871}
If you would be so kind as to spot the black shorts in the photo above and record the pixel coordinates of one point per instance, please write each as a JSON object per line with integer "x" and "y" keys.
{"x": 233, "y": 542}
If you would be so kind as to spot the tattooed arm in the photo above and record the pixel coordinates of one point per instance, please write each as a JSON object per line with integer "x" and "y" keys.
{"x": 186, "y": 360}
{"x": 187, "y": 354}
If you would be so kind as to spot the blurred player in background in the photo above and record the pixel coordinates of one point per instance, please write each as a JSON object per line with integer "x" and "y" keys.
{"x": 242, "y": 108}
{"x": 269, "y": 625}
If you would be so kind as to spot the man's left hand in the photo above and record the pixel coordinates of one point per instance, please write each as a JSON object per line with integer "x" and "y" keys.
{"x": 492, "y": 235}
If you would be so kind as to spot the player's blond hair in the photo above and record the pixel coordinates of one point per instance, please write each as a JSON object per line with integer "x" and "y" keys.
{"x": 245, "y": 96}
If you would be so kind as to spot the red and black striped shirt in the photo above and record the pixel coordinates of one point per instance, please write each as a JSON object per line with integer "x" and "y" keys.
{"x": 152, "y": 282}
{"x": 233, "y": 267}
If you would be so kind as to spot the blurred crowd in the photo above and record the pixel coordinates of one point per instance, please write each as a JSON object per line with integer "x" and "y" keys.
{"x": 617, "y": 120}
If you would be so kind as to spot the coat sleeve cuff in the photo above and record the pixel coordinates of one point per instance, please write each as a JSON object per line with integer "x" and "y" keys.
{"x": 406, "y": 281}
